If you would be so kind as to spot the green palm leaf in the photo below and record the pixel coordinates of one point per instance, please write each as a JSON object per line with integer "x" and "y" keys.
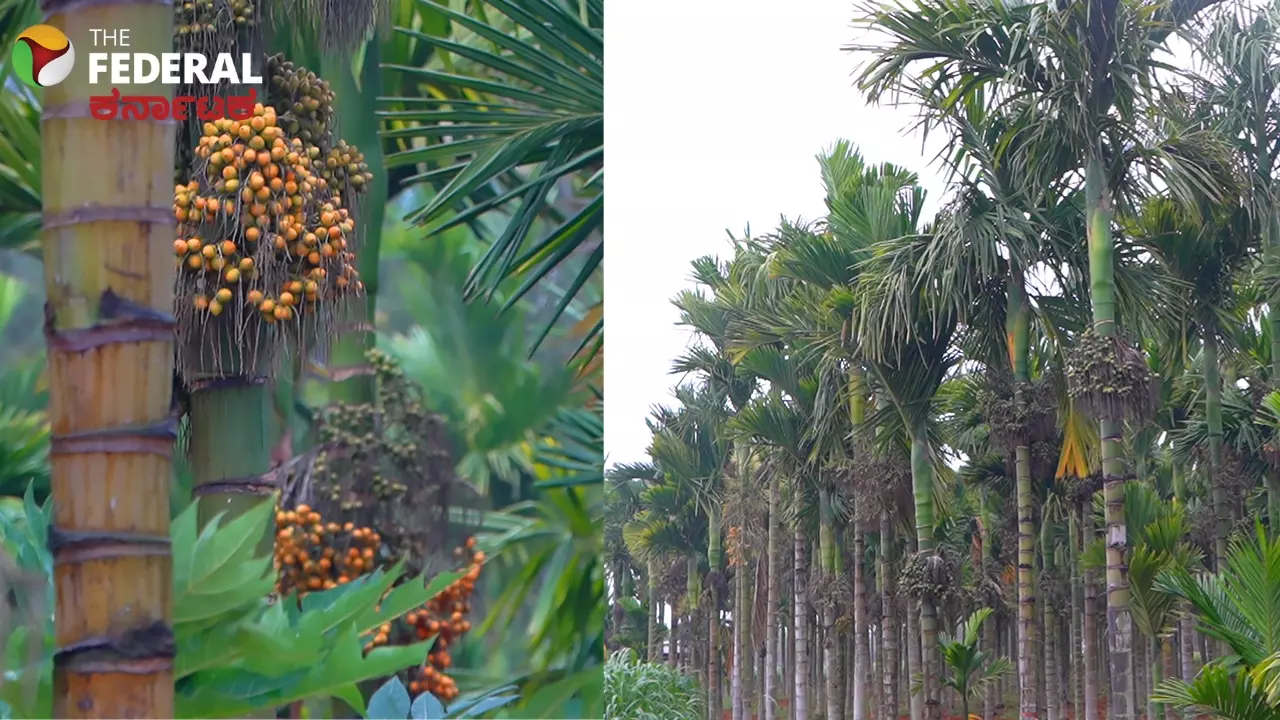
{"x": 521, "y": 129}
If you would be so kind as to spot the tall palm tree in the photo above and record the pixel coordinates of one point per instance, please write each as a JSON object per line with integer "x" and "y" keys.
{"x": 1239, "y": 74}
{"x": 691, "y": 452}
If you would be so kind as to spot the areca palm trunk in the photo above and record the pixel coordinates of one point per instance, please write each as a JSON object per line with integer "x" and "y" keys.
{"x": 1102, "y": 293}
{"x": 922, "y": 489}
{"x": 714, "y": 558}
{"x": 1049, "y": 618}
{"x": 1271, "y": 245}
{"x": 772, "y": 648}
{"x": 1019, "y": 338}
{"x": 230, "y": 412}
{"x": 988, "y": 629}
{"x": 1088, "y": 623}
{"x": 827, "y": 558}
{"x": 888, "y": 621}
{"x": 107, "y": 239}
{"x": 1213, "y": 417}
{"x": 911, "y": 635}
{"x": 1074, "y": 673}
{"x": 739, "y": 639}
{"x": 861, "y": 656}
{"x": 800, "y": 618}
{"x": 652, "y": 577}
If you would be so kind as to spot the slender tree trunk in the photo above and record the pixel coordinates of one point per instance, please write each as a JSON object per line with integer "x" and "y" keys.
{"x": 1018, "y": 324}
{"x": 861, "y": 660}
{"x": 1052, "y": 691}
{"x": 800, "y": 695}
{"x": 1026, "y": 589}
{"x": 1042, "y": 699}
{"x": 989, "y": 692}
{"x": 1213, "y": 419}
{"x": 1048, "y": 618}
{"x": 107, "y": 239}
{"x": 914, "y": 661}
{"x": 1102, "y": 293}
{"x": 715, "y": 556}
{"x": 1077, "y": 598}
{"x": 1271, "y": 245}
{"x": 829, "y": 665}
{"x": 654, "y": 609}
{"x": 743, "y": 657}
{"x": 922, "y": 489}
{"x": 888, "y": 621}
{"x": 1167, "y": 671}
{"x": 773, "y": 604}
{"x": 673, "y": 651}
{"x": 789, "y": 679}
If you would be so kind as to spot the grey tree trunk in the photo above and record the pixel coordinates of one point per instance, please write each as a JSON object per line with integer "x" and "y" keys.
{"x": 861, "y": 661}
{"x": 739, "y": 639}
{"x": 888, "y": 622}
{"x": 1186, "y": 643}
{"x": 913, "y": 659}
{"x": 801, "y": 692}
{"x": 773, "y": 606}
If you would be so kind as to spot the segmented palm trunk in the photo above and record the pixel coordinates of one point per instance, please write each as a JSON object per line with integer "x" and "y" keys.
{"x": 830, "y": 664}
{"x": 922, "y": 489}
{"x": 674, "y": 645}
{"x": 652, "y": 576}
{"x": 773, "y": 601}
{"x": 1052, "y": 691}
{"x": 107, "y": 238}
{"x": 800, "y": 617}
{"x": 1102, "y": 292}
{"x": 989, "y": 628}
{"x": 888, "y": 621}
{"x": 861, "y": 657}
{"x": 911, "y": 636}
{"x": 740, "y": 623}
{"x": 1271, "y": 244}
{"x": 1213, "y": 418}
{"x": 1017, "y": 330}
{"x": 1074, "y": 631}
{"x": 715, "y": 555}
{"x": 1088, "y": 622}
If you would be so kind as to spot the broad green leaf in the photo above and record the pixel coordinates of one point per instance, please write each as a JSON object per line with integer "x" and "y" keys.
{"x": 426, "y": 707}
{"x": 389, "y": 702}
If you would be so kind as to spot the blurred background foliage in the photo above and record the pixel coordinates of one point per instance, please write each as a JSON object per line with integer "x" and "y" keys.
{"x": 485, "y": 232}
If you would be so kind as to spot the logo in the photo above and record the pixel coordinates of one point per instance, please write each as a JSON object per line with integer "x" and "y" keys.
{"x": 43, "y": 56}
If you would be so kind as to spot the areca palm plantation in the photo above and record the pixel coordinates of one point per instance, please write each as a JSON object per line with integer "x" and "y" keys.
{"x": 1205, "y": 258}
{"x": 1240, "y": 72}
{"x": 691, "y": 452}
{"x": 1078, "y": 76}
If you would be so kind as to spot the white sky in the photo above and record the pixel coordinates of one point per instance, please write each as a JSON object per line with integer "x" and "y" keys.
{"x": 715, "y": 113}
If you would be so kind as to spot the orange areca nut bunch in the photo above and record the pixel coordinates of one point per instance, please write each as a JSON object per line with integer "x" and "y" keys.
{"x": 445, "y": 617}
{"x": 262, "y": 238}
{"x": 311, "y": 554}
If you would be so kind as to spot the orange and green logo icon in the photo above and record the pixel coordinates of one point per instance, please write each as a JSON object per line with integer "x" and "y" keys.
{"x": 43, "y": 56}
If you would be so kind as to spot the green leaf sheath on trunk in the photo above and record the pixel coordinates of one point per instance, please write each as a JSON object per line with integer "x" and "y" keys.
{"x": 231, "y": 447}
